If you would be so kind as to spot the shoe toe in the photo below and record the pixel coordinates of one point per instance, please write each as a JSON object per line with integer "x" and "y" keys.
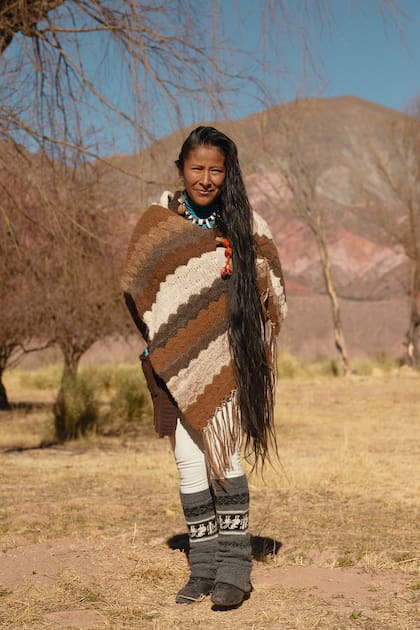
{"x": 227, "y": 595}
{"x": 194, "y": 590}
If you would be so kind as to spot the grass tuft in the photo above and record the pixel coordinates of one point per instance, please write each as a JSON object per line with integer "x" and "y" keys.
{"x": 290, "y": 366}
{"x": 45, "y": 377}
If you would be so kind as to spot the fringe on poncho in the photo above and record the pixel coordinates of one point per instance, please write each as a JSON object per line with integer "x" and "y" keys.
{"x": 178, "y": 299}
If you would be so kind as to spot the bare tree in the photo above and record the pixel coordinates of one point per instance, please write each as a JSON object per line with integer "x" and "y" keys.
{"x": 22, "y": 322}
{"x": 16, "y": 327}
{"x": 62, "y": 53}
{"x": 81, "y": 281}
{"x": 60, "y": 266}
{"x": 295, "y": 161}
{"x": 62, "y": 59}
{"x": 78, "y": 262}
{"x": 399, "y": 211}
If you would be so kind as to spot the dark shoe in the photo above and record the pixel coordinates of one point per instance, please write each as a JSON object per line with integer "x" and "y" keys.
{"x": 195, "y": 590}
{"x": 228, "y": 596}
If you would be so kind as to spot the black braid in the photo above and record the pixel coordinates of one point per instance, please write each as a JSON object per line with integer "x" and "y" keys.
{"x": 254, "y": 375}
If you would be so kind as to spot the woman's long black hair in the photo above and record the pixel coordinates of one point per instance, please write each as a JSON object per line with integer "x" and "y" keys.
{"x": 254, "y": 375}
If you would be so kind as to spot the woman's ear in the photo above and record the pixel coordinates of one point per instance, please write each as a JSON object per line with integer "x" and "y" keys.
{"x": 180, "y": 174}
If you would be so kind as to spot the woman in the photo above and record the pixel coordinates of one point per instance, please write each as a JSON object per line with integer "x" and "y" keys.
{"x": 203, "y": 283}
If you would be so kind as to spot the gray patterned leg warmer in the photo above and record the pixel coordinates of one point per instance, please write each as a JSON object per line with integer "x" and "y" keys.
{"x": 234, "y": 550}
{"x": 202, "y": 530}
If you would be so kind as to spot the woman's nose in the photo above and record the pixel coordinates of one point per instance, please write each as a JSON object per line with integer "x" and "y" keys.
{"x": 205, "y": 178}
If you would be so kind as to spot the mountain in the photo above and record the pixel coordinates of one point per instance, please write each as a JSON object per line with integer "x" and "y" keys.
{"x": 358, "y": 165}
{"x": 355, "y": 158}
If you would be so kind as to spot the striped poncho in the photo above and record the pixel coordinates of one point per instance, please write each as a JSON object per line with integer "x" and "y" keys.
{"x": 176, "y": 295}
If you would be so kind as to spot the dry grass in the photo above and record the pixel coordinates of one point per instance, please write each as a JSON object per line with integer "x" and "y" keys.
{"x": 84, "y": 527}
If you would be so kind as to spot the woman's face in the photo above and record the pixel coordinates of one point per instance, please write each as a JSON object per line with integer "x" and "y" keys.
{"x": 203, "y": 174}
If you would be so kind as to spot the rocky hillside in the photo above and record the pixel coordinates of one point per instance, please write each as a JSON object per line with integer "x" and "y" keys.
{"x": 354, "y": 158}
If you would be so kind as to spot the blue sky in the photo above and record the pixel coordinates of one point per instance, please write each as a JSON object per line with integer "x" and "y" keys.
{"x": 373, "y": 58}
{"x": 357, "y": 50}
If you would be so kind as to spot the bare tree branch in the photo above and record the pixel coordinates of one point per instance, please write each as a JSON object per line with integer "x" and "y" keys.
{"x": 171, "y": 64}
{"x": 21, "y": 16}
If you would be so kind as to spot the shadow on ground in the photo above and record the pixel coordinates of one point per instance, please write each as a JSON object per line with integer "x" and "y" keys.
{"x": 262, "y": 546}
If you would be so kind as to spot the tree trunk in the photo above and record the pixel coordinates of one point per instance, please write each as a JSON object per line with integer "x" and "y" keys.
{"x": 412, "y": 354}
{"x": 64, "y": 423}
{"x": 69, "y": 375}
{"x": 4, "y": 401}
{"x": 340, "y": 343}
{"x": 71, "y": 364}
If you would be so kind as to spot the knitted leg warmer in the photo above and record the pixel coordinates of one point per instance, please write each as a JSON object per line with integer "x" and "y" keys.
{"x": 202, "y": 530}
{"x": 234, "y": 546}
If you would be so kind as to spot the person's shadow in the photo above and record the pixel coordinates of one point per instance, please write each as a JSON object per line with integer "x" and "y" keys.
{"x": 262, "y": 546}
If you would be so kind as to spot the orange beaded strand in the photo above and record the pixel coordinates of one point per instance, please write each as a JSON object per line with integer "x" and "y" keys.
{"x": 226, "y": 270}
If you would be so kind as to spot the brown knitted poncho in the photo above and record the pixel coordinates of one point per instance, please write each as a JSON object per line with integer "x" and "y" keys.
{"x": 178, "y": 299}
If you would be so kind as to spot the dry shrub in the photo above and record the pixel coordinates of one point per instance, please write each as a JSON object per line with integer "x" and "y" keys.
{"x": 76, "y": 409}
{"x": 371, "y": 366}
{"x": 130, "y": 403}
{"x": 290, "y": 366}
{"x": 105, "y": 398}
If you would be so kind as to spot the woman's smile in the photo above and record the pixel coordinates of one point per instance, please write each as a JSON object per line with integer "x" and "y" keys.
{"x": 203, "y": 174}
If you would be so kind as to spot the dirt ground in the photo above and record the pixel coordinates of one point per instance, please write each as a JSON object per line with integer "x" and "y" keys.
{"x": 91, "y": 532}
{"x": 78, "y": 576}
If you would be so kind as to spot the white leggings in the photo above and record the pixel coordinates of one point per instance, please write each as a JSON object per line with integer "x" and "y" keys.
{"x": 191, "y": 462}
